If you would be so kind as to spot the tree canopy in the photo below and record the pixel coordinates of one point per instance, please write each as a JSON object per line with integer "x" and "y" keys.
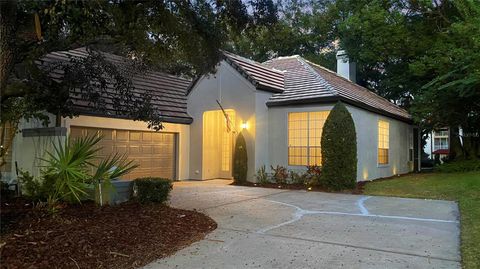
{"x": 179, "y": 37}
{"x": 422, "y": 55}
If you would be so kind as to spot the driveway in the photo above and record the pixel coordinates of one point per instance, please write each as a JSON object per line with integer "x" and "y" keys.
{"x": 275, "y": 228}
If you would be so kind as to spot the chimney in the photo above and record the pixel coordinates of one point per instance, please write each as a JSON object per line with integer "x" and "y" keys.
{"x": 345, "y": 68}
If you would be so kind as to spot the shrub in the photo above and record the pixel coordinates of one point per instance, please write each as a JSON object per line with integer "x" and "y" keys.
{"x": 38, "y": 189}
{"x": 459, "y": 166}
{"x": 262, "y": 175}
{"x": 152, "y": 189}
{"x": 280, "y": 174}
{"x": 339, "y": 150}
{"x": 5, "y": 191}
{"x": 313, "y": 175}
{"x": 30, "y": 186}
{"x": 240, "y": 160}
{"x": 298, "y": 178}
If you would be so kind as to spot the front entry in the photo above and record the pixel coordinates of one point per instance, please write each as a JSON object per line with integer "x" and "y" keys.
{"x": 218, "y": 142}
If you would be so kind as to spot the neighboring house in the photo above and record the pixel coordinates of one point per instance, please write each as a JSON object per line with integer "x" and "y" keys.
{"x": 437, "y": 144}
{"x": 280, "y": 106}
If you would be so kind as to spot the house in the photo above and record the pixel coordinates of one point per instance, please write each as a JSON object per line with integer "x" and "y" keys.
{"x": 280, "y": 106}
{"x": 437, "y": 144}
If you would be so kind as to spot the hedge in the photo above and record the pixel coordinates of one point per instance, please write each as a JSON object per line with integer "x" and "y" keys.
{"x": 339, "y": 150}
{"x": 458, "y": 166}
{"x": 152, "y": 189}
{"x": 240, "y": 160}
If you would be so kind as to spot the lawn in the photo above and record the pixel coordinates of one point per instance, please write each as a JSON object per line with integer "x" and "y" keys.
{"x": 461, "y": 187}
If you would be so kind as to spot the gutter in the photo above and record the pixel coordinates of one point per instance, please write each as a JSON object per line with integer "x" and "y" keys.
{"x": 334, "y": 99}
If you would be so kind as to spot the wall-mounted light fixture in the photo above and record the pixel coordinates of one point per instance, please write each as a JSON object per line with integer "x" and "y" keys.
{"x": 244, "y": 125}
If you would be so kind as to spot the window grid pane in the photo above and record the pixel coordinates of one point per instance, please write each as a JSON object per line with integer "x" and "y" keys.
{"x": 305, "y": 136}
{"x": 382, "y": 156}
{"x": 383, "y": 141}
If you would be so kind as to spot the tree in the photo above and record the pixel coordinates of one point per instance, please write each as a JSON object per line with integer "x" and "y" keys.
{"x": 339, "y": 149}
{"x": 180, "y": 37}
{"x": 300, "y": 27}
{"x": 240, "y": 159}
{"x": 452, "y": 97}
{"x": 422, "y": 55}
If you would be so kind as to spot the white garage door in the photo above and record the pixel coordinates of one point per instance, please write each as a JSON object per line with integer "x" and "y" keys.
{"x": 154, "y": 152}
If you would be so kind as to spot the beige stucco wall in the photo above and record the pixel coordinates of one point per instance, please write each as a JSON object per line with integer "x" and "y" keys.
{"x": 367, "y": 139}
{"x": 28, "y": 151}
{"x": 234, "y": 92}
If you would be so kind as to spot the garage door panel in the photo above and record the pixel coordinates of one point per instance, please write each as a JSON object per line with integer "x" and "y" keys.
{"x": 154, "y": 152}
{"x": 121, "y": 149}
{"x": 134, "y": 150}
{"x": 92, "y": 132}
{"x": 135, "y": 136}
{"x": 107, "y": 135}
{"x": 157, "y": 137}
{"x": 146, "y": 136}
{"x": 156, "y": 149}
{"x": 145, "y": 163}
{"x": 147, "y": 149}
{"x": 121, "y": 135}
{"x": 107, "y": 149}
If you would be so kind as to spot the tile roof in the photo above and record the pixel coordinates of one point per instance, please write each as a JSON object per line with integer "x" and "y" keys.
{"x": 263, "y": 78}
{"x": 306, "y": 82}
{"x": 168, "y": 92}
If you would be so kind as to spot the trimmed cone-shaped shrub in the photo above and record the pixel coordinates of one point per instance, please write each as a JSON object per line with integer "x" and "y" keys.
{"x": 240, "y": 160}
{"x": 339, "y": 150}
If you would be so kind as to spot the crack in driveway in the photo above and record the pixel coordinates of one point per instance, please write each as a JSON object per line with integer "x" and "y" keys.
{"x": 300, "y": 212}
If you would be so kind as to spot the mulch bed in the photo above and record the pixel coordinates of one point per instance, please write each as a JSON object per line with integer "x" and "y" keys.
{"x": 358, "y": 189}
{"x": 129, "y": 235}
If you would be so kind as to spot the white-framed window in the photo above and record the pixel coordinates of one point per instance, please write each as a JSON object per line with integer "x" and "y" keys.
{"x": 305, "y": 137}
{"x": 383, "y": 141}
{"x": 441, "y": 133}
{"x": 440, "y": 143}
{"x": 440, "y": 139}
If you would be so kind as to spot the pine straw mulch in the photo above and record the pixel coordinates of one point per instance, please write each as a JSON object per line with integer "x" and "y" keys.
{"x": 129, "y": 235}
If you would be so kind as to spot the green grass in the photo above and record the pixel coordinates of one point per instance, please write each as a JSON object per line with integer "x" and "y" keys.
{"x": 461, "y": 187}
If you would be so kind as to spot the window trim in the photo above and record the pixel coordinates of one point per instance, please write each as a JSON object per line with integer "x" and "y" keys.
{"x": 308, "y": 136}
{"x": 380, "y": 165}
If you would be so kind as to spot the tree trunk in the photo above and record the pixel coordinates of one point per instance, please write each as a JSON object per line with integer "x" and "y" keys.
{"x": 456, "y": 149}
{"x": 8, "y": 17}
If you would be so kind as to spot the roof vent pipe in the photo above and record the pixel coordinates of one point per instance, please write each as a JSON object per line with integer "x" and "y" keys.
{"x": 345, "y": 68}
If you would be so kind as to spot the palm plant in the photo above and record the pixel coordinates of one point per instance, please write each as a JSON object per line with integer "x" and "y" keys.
{"x": 68, "y": 166}
{"x": 114, "y": 166}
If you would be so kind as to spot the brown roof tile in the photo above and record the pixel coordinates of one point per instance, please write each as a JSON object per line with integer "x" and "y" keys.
{"x": 306, "y": 82}
{"x": 168, "y": 92}
{"x": 262, "y": 77}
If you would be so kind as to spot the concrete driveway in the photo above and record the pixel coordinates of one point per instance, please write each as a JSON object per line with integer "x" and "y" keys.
{"x": 274, "y": 228}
